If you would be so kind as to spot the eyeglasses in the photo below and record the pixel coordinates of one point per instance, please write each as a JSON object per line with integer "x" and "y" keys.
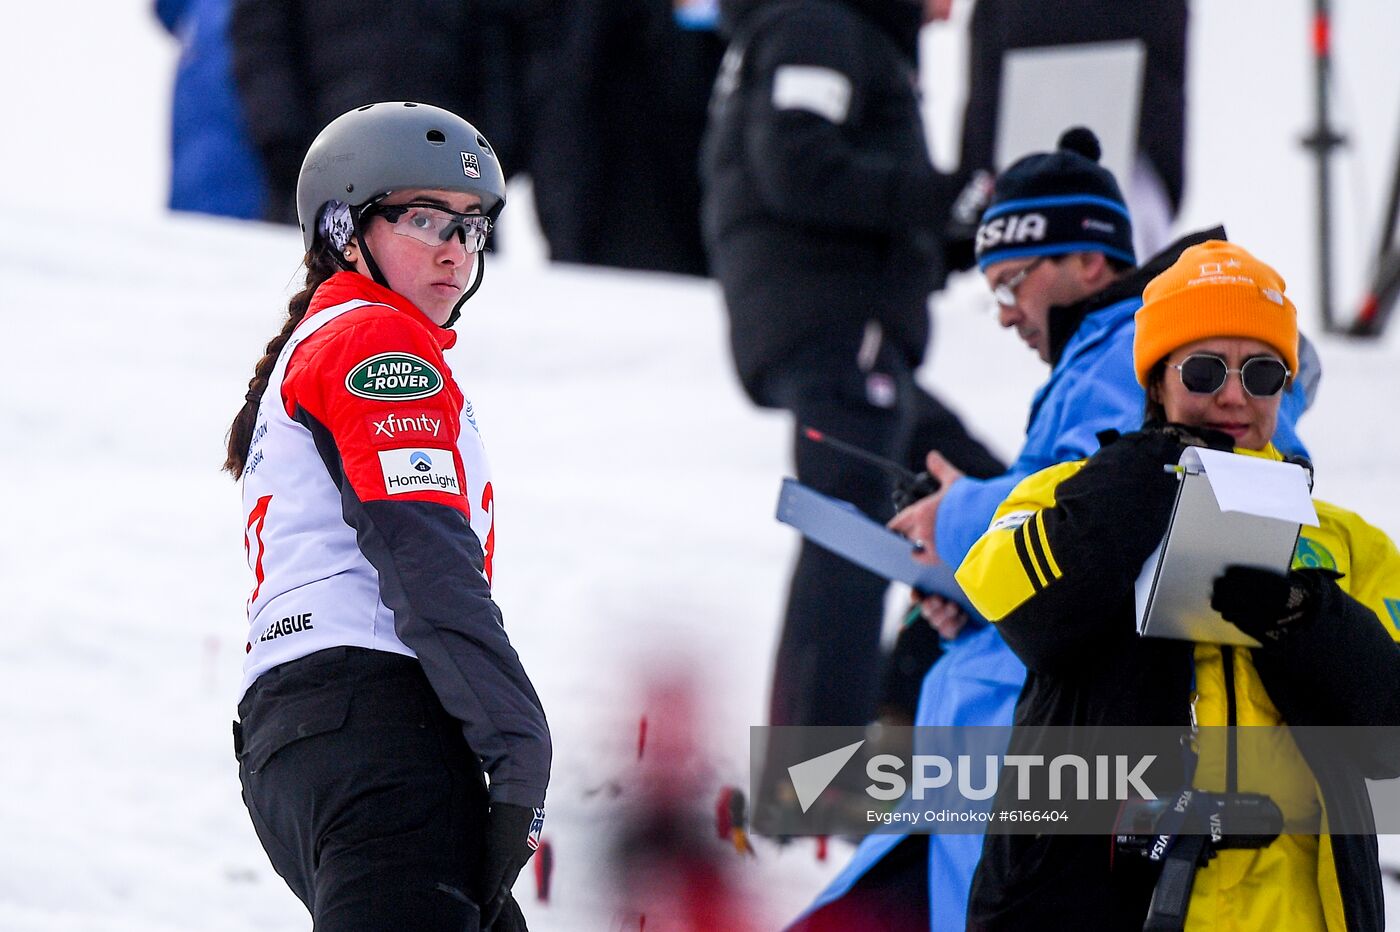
{"x": 1005, "y": 293}
{"x": 1205, "y": 374}
{"x": 432, "y": 225}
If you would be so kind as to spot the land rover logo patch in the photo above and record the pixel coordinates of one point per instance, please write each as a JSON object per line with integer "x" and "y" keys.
{"x": 394, "y": 377}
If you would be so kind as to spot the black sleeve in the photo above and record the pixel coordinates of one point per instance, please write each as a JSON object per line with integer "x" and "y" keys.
{"x": 986, "y": 45}
{"x": 1105, "y": 522}
{"x": 812, "y": 170}
{"x": 1162, "y": 129}
{"x": 430, "y": 574}
{"x": 1340, "y": 668}
{"x": 265, "y": 51}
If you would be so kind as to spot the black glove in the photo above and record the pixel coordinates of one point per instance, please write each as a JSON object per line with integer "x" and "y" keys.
{"x": 910, "y": 489}
{"x": 1130, "y": 459}
{"x": 1136, "y": 459}
{"x": 1186, "y": 435}
{"x": 1267, "y": 605}
{"x": 509, "y": 831}
{"x": 1125, "y": 478}
{"x": 510, "y": 918}
{"x": 1163, "y": 441}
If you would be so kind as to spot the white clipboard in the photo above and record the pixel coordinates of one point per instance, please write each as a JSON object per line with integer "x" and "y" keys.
{"x": 1230, "y": 509}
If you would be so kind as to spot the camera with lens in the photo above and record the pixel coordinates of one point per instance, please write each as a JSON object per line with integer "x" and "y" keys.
{"x": 1230, "y": 820}
{"x": 1183, "y": 833}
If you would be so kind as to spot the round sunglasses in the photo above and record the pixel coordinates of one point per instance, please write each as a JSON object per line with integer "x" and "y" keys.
{"x": 1205, "y": 374}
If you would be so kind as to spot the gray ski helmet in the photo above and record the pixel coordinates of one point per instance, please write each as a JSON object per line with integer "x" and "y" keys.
{"x": 385, "y": 147}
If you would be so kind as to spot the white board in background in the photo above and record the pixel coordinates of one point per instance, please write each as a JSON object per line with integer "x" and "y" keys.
{"x": 1046, "y": 90}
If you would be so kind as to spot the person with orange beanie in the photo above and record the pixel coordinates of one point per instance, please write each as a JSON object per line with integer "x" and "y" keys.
{"x": 1067, "y": 282}
{"x": 1216, "y": 346}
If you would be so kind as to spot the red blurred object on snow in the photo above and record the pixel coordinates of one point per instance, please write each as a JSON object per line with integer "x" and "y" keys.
{"x": 544, "y": 870}
{"x": 668, "y": 868}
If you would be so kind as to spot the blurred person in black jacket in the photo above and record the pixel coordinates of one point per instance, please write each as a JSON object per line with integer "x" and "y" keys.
{"x": 299, "y": 64}
{"x": 825, "y": 222}
{"x": 622, "y": 147}
{"x": 1155, "y": 185}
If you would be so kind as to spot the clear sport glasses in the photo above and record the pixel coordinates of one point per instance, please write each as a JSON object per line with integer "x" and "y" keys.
{"x": 433, "y": 225}
{"x": 1005, "y": 293}
{"x": 1205, "y": 374}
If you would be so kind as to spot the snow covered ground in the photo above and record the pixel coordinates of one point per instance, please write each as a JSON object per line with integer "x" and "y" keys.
{"x": 635, "y": 486}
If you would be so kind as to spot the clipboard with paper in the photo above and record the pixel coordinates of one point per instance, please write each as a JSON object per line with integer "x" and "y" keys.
{"x": 844, "y": 530}
{"x": 1230, "y": 509}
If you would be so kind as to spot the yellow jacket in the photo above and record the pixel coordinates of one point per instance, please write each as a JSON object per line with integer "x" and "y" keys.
{"x": 1045, "y": 571}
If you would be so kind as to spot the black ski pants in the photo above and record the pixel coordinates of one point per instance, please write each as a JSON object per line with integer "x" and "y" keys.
{"x": 363, "y": 792}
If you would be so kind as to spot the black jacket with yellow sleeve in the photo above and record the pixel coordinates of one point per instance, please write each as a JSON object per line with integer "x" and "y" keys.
{"x": 1055, "y": 571}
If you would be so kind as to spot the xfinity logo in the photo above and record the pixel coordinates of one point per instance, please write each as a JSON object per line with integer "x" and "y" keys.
{"x": 1011, "y": 229}
{"x": 396, "y": 424}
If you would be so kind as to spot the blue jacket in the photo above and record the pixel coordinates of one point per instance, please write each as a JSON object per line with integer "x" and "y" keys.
{"x": 1092, "y": 387}
{"x": 214, "y": 169}
{"x": 975, "y": 682}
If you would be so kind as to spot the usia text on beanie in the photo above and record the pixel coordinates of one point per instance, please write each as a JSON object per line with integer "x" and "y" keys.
{"x": 1056, "y": 203}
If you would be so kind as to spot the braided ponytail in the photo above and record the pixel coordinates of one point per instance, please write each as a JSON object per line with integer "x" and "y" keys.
{"x": 321, "y": 264}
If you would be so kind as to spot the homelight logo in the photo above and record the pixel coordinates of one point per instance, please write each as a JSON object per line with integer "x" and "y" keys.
{"x": 419, "y": 469}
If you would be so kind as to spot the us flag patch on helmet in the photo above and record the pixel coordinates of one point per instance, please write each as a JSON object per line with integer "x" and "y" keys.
{"x": 470, "y": 167}
{"x": 536, "y": 826}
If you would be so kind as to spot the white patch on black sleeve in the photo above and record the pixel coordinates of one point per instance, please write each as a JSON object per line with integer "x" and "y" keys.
{"x": 823, "y": 91}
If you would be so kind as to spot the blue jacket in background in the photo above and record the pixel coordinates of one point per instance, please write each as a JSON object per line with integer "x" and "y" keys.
{"x": 214, "y": 169}
{"x": 1092, "y": 388}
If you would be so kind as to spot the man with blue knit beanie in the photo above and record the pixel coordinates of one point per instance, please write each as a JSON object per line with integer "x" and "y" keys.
{"x": 1054, "y": 203}
{"x": 1056, "y": 249}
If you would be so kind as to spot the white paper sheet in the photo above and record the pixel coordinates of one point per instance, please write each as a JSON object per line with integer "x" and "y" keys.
{"x": 1254, "y": 486}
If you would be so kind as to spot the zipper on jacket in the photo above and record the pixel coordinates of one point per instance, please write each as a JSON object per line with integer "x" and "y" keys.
{"x": 1227, "y": 657}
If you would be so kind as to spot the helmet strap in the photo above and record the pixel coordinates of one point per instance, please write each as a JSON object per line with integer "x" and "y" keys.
{"x": 480, "y": 274}
{"x": 368, "y": 256}
{"x": 376, "y": 274}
